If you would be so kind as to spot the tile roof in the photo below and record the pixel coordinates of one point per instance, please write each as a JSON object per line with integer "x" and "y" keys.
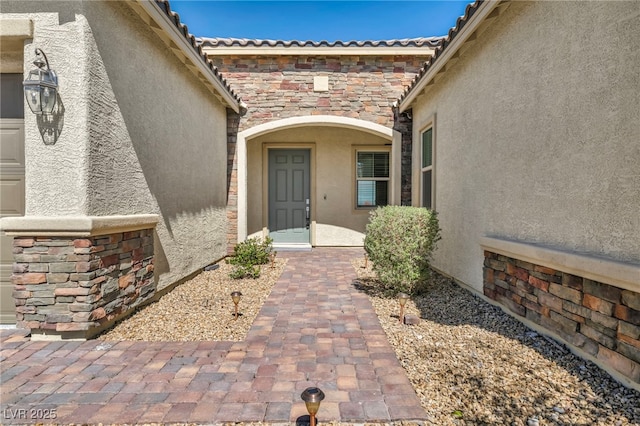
{"x": 192, "y": 40}
{"x": 430, "y": 42}
{"x": 470, "y": 10}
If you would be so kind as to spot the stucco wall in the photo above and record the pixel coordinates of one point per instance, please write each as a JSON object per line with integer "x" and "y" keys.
{"x": 141, "y": 134}
{"x": 56, "y": 183}
{"x": 537, "y": 132}
{"x": 337, "y": 222}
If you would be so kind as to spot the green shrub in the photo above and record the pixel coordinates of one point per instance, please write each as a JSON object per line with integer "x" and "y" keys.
{"x": 247, "y": 255}
{"x": 239, "y": 272}
{"x": 400, "y": 241}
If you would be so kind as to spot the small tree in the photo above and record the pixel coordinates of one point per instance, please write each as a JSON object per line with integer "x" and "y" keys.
{"x": 248, "y": 255}
{"x": 400, "y": 241}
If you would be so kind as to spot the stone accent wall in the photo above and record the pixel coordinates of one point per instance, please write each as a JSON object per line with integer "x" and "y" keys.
{"x": 233, "y": 122}
{"x": 600, "y": 319}
{"x": 404, "y": 125}
{"x": 276, "y": 87}
{"x": 72, "y": 286}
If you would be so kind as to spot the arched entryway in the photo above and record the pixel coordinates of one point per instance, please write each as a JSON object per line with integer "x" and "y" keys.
{"x": 341, "y": 168}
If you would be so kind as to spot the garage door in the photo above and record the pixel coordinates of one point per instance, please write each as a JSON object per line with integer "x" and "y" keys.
{"x": 11, "y": 181}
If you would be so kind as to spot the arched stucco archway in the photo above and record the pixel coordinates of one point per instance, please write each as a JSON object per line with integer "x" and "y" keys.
{"x": 394, "y": 137}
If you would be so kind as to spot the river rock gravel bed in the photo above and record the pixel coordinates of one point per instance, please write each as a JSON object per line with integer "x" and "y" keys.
{"x": 472, "y": 364}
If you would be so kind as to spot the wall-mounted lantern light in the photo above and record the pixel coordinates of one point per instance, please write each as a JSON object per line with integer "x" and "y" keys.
{"x": 41, "y": 87}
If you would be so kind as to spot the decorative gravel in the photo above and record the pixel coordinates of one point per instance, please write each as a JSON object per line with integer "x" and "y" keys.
{"x": 201, "y": 309}
{"x": 472, "y": 364}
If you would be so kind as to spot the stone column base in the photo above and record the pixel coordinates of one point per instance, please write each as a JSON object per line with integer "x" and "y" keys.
{"x": 74, "y": 277}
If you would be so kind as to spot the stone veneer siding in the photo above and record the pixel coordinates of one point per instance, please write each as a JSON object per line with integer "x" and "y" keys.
{"x": 74, "y": 286}
{"x": 600, "y": 319}
{"x": 277, "y": 87}
{"x": 404, "y": 125}
{"x": 233, "y": 122}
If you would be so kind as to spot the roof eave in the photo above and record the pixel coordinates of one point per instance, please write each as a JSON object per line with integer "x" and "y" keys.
{"x": 162, "y": 20}
{"x": 484, "y": 10}
{"x": 314, "y": 51}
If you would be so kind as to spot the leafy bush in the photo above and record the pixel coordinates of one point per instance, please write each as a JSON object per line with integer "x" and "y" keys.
{"x": 239, "y": 272}
{"x": 247, "y": 255}
{"x": 400, "y": 241}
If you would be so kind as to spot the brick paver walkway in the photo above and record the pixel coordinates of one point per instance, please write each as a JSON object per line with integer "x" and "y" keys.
{"x": 315, "y": 329}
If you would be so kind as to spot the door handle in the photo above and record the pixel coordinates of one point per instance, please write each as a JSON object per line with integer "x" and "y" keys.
{"x": 308, "y": 213}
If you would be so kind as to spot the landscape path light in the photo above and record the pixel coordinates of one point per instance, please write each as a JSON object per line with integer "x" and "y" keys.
{"x": 41, "y": 86}
{"x": 235, "y": 296}
{"x": 402, "y": 298}
{"x": 312, "y": 398}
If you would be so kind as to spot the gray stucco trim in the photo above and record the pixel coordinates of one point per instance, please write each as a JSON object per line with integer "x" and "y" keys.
{"x": 78, "y": 226}
{"x": 620, "y": 274}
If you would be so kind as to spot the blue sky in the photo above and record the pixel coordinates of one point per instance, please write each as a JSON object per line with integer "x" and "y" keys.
{"x": 319, "y": 20}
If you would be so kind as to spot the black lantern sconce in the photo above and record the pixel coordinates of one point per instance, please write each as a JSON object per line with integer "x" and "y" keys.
{"x": 41, "y": 86}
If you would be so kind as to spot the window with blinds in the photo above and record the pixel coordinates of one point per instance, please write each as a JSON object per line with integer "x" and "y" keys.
{"x": 372, "y": 178}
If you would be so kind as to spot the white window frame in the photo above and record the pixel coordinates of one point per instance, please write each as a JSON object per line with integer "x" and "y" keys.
{"x": 387, "y": 179}
{"x": 420, "y": 127}
{"x": 425, "y": 169}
